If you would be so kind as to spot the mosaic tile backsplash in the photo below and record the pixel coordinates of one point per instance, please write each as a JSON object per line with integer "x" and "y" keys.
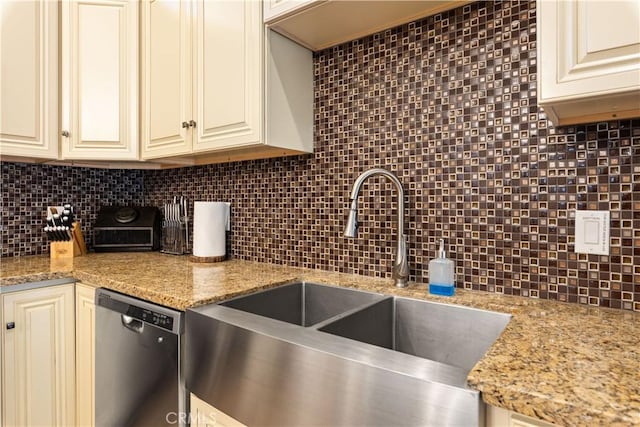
{"x": 28, "y": 189}
{"x": 448, "y": 104}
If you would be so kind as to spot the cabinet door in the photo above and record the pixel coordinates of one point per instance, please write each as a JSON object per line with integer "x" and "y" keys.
{"x": 85, "y": 355}
{"x": 166, "y": 108}
{"x": 29, "y": 79}
{"x": 227, "y": 74}
{"x": 38, "y": 365}
{"x": 100, "y": 79}
{"x": 205, "y": 415}
{"x": 589, "y": 50}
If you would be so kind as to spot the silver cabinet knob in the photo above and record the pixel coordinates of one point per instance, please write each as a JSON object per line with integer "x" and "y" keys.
{"x": 11, "y": 325}
{"x": 65, "y": 133}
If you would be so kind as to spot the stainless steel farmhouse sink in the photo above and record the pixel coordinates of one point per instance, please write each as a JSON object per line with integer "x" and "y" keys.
{"x": 307, "y": 354}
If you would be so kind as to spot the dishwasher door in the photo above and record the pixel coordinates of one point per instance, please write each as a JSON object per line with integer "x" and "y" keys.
{"x": 138, "y": 365}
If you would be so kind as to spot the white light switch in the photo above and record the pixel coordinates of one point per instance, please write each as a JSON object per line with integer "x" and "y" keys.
{"x": 592, "y": 232}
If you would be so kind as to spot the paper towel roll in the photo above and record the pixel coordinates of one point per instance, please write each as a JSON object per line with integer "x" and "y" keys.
{"x": 209, "y": 228}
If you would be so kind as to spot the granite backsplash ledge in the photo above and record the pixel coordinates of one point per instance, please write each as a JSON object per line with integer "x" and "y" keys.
{"x": 448, "y": 104}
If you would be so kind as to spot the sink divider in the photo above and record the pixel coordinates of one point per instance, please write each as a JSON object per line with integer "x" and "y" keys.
{"x": 347, "y": 313}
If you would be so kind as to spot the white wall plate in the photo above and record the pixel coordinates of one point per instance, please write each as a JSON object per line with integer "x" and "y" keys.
{"x": 592, "y": 232}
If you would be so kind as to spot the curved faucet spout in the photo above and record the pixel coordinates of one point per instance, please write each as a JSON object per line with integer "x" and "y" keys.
{"x": 400, "y": 266}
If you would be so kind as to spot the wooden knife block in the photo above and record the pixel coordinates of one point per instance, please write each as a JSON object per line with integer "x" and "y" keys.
{"x": 73, "y": 248}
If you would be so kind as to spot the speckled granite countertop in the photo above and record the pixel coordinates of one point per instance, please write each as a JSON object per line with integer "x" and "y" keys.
{"x": 563, "y": 363}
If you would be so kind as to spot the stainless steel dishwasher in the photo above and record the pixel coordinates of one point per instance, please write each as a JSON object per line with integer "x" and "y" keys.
{"x": 139, "y": 380}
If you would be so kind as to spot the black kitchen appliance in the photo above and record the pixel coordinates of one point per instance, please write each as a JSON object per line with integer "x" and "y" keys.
{"x": 127, "y": 228}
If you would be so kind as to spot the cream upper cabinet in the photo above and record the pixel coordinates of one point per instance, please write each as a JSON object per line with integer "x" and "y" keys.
{"x": 99, "y": 104}
{"x": 85, "y": 355}
{"x": 227, "y": 74}
{"x": 29, "y": 79}
{"x": 588, "y": 60}
{"x": 166, "y": 106}
{"x": 38, "y": 367}
{"x": 217, "y": 87}
{"x": 319, "y": 24}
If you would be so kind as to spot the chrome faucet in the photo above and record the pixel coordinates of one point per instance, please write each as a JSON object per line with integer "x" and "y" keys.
{"x": 400, "y": 272}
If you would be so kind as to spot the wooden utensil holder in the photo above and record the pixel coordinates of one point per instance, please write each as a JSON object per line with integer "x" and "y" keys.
{"x": 72, "y": 248}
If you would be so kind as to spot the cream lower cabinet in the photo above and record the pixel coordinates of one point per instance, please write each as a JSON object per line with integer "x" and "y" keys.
{"x": 85, "y": 355}
{"x": 215, "y": 83}
{"x": 99, "y": 98}
{"x": 498, "y": 417}
{"x": 38, "y": 363}
{"x": 29, "y": 79}
{"x": 205, "y": 415}
{"x": 588, "y": 60}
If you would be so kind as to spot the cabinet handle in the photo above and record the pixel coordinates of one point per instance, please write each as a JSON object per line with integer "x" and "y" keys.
{"x": 65, "y": 133}
{"x": 185, "y": 124}
{"x": 11, "y": 325}
{"x": 192, "y": 123}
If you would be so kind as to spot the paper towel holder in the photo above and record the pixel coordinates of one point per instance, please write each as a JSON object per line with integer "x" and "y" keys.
{"x": 214, "y": 259}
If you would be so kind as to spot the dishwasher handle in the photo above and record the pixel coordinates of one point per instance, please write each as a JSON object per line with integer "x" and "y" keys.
{"x": 132, "y": 324}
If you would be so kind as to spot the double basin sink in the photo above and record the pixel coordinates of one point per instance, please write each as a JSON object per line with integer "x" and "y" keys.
{"x": 309, "y": 354}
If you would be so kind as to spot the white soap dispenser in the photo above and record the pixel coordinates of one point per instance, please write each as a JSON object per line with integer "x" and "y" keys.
{"x": 442, "y": 274}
